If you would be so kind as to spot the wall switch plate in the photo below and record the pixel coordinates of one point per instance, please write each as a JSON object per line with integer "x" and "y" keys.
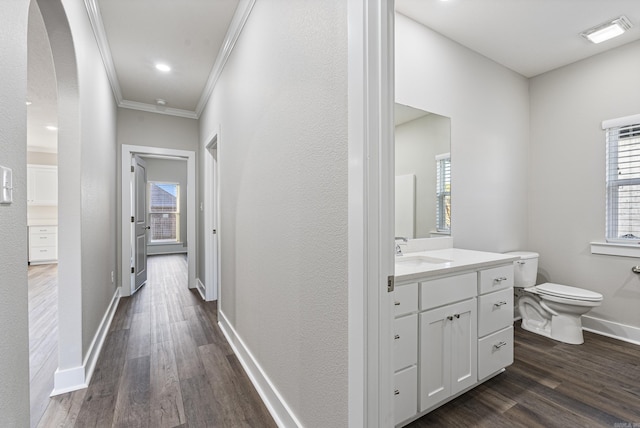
{"x": 6, "y": 179}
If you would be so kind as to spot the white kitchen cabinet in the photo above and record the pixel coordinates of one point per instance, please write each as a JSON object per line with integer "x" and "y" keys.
{"x": 42, "y": 185}
{"x": 43, "y": 244}
{"x": 448, "y": 351}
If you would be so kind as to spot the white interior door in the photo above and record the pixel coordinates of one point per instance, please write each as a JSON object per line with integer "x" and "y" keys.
{"x": 213, "y": 262}
{"x": 139, "y": 268}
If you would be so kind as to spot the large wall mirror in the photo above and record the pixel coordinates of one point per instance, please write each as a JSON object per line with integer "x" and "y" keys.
{"x": 423, "y": 173}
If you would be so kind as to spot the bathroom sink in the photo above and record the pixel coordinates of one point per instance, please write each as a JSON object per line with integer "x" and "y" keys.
{"x": 419, "y": 260}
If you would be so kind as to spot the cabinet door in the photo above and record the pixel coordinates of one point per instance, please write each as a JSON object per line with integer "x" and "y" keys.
{"x": 435, "y": 364}
{"x": 464, "y": 345}
{"x": 42, "y": 186}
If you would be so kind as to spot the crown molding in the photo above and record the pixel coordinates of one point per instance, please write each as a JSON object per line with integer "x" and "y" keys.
{"x": 233, "y": 33}
{"x": 103, "y": 46}
{"x": 151, "y": 108}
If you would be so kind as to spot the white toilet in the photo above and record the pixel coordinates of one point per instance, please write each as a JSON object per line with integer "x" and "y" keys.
{"x": 549, "y": 309}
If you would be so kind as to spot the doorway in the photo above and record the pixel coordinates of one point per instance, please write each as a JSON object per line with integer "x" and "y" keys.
{"x": 212, "y": 216}
{"x": 129, "y": 259}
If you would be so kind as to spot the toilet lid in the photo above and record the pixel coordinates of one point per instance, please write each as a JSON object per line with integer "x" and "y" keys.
{"x": 567, "y": 292}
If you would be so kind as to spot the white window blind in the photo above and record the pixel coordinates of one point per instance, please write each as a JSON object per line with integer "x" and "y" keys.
{"x": 164, "y": 211}
{"x": 443, "y": 192}
{"x": 623, "y": 183}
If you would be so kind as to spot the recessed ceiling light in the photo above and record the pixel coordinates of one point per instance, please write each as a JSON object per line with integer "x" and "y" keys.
{"x": 163, "y": 67}
{"x": 51, "y": 128}
{"x": 161, "y": 102}
{"x": 607, "y": 30}
{"x": 28, "y": 103}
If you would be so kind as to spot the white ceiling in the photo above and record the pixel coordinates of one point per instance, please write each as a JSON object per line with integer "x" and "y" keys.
{"x": 193, "y": 36}
{"x": 528, "y": 36}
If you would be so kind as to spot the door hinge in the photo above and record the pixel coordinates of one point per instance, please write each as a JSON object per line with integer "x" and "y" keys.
{"x": 132, "y": 219}
{"x": 390, "y": 283}
{"x": 133, "y": 269}
{"x": 132, "y": 168}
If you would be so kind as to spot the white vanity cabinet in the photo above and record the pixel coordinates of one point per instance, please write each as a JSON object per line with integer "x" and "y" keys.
{"x": 405, "y": 351}
{"x": 464, "y": 322}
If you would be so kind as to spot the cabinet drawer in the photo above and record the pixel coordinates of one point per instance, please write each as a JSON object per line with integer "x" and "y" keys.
{"x": 43, "y": 253}
{"x": 405, "y": 399}
{"x": 495, "y": 352}
{"x": 42, "y": 229}
{"x": 405, "y": 299}
{"x": 495, "y": 311}
{"x": 443, "y": 291}
{"x": 405, "y": 342}
{"x": 495, "y": 279}
{"x": 42, "y": 240}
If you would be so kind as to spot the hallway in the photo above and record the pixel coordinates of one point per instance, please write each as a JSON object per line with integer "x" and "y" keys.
{"x": 165, "y": 363}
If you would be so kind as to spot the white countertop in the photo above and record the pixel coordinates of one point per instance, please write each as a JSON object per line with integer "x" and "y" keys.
{"x": 454, "y": 260}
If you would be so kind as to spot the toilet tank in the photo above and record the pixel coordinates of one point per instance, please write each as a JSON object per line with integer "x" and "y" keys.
{"x": 525, "y": 269}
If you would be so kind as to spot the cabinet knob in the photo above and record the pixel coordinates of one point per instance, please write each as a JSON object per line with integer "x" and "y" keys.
{"x": 396, "y": 337}
{"x": 457, "y": 315}
{"x": 498, "y": 304}
{"x": 500, "y": 345}
{"x": 450, "y": 318}
{"x": 396, "y": 392}
{"x": 396, "y": 303}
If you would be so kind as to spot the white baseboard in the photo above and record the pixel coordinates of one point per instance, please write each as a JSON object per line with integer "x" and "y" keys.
{"x": 276, "y": 405}
{"x": 201, "y": 289}
{"x": 611, "y": 329}
{"x": 79, "y": 377}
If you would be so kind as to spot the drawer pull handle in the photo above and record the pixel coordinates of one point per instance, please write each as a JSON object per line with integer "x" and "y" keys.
{"x": 396, "y": 392}
{"x": 450, "y": 318}
{"x": 502, "y": 278}
{"x": 500, "y": 345}
{"x": 396, "y": 303}
{"x": 520, "y": 262}
{"x": 396, "y": 337}
{"x": 498, "y": 304}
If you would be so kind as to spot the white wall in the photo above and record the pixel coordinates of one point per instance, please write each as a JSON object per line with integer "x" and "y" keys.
{"x": 417, "y": 143}
{"x": 281, "y": 104}
{"x": 489, "y": 110}
{"x": 567, "y": 164}
{"x": 14, "y": 339}
{"x": 171, "y": 171}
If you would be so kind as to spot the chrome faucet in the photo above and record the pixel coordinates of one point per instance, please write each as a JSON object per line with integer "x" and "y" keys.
{"x": 398, "y": 249}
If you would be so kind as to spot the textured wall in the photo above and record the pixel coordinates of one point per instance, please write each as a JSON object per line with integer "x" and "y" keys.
{"x": 567, "y": 167}
{"x": 14, "y": 336}
{"x": 489, "y": 110}
{"x": 281, "y": 104}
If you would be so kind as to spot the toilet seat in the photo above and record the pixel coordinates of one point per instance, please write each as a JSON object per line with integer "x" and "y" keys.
{"x": 565, "y": 292}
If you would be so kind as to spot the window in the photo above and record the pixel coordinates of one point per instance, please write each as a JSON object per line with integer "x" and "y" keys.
{"x": 164, "y": 211}
{"x": 443, "y": 192}
{"x": 623, "y": 181}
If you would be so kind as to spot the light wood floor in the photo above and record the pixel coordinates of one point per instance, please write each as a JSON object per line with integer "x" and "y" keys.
{"x": 165, "y": 363}
{"x": 43, "y": 335}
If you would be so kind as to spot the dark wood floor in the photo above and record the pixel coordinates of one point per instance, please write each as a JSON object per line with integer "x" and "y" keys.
{"x": 552, "y": 384}
{"x": 43, "y": 335}
{"x": 165, "y": 363}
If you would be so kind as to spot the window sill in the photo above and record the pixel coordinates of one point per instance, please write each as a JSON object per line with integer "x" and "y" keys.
{"x": 615, "y": 249}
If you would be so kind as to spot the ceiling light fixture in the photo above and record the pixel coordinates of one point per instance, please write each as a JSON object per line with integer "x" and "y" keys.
{"x": 161, "y": 102}
{"x": 51, "y": 128}
{"x": 163, "y": 67}
{"x": 28, "y": 103}
{"x": 607, "y": 30}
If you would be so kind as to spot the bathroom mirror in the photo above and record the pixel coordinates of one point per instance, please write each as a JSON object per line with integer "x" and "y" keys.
{"x": 423, "y": 173}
